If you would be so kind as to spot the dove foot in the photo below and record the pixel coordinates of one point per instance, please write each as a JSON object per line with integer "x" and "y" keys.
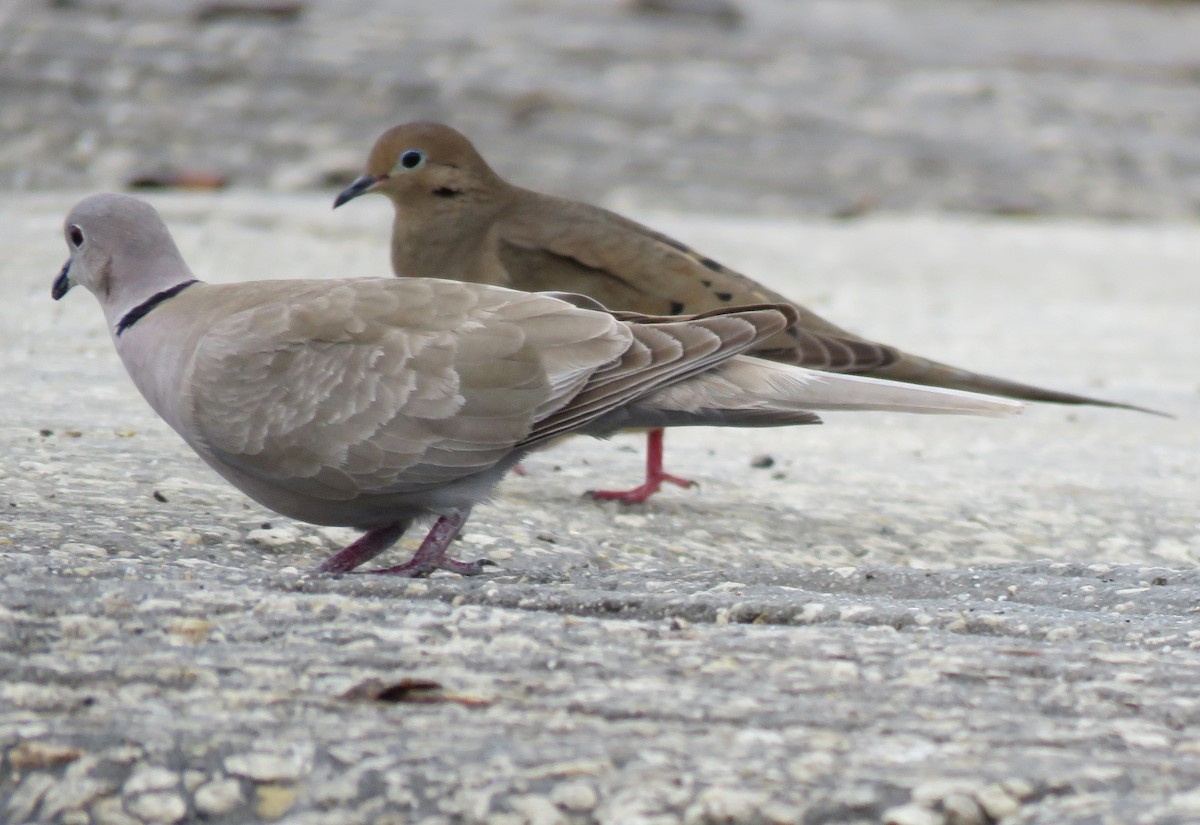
{"x": 643, "y": 491}
{"x": 655, "y": 476}
{"x": 369, "y": 545}
{"x": 431, "y": 555}
{"x": 467, "y": 568}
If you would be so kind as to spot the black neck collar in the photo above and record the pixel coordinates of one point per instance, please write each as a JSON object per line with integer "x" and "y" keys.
{"x": 141, "y": 310}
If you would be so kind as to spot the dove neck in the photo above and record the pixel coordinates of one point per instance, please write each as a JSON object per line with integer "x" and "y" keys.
{"x": 474, "y": 259}
{"x": 156, "y": 339}
{"x": 144, "y": 308}
{"x": 454, "y": 237}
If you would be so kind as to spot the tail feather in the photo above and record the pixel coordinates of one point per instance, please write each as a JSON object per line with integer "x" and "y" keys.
{"x": 914, "y": 369}
{"x": 750, "y": 391}
{"x": 819, "y": 344}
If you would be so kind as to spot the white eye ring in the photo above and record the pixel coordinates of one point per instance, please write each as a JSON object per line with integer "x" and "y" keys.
{"x": 76, "y": 235}
{"x": 410, "y": 159}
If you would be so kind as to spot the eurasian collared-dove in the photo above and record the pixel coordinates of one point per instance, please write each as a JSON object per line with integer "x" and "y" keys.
{"x": 370, "y": 403}
{"x": 456, "y": 218}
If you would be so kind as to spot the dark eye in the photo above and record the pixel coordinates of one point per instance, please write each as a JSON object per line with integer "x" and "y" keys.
{"x": 411, "y": 159}
{"x": 75, "y": 234}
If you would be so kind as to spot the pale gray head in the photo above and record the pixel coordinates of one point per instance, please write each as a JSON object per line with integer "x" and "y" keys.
{"x": 121, "y": 252}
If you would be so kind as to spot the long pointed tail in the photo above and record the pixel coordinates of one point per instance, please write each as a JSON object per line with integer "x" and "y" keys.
{"x": 752, "y": 392}
{"x": 819, "y": 344}
{"x": 918, "y": 370}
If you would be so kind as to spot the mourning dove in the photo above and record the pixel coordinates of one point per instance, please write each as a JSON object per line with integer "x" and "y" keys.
{"x": 370, "y": 403}
{"x": 456, "y": 218}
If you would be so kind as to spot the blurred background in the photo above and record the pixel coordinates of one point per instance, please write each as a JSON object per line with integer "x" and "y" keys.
{"x": 785, "y": 107}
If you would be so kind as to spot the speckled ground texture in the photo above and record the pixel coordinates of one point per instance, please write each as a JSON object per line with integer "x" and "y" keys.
{"x": 886, "y": 619}
{"x": 903, "y": 619}
{"x": 825, "y": 106}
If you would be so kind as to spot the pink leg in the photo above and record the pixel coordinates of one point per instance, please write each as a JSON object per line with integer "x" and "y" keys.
{"x": 655, "y": 476}
{"x": 431, "y": 555}
{"x": 369, "y": 545}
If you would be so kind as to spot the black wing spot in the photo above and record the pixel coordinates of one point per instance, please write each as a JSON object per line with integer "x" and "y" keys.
{"x": 709, "y": 263}
{"x": 676, "y": 245}
{"x": 707, "y": 283}
{"x": 724, "y": 296}
{"x": 676, "y": 308}
{"x": 446, "y": 192}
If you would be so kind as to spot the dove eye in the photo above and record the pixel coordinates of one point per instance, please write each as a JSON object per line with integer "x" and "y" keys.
{"x": 76, "y": 235}
{"x": 411, "y": 159}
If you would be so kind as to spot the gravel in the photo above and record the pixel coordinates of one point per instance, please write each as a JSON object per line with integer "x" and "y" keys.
{"x": 900, "y": 620}
{"x": 1072, "y": 107}
{"x": 910, "y": 621}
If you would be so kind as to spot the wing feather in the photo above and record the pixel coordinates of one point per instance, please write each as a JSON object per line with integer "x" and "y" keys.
{"x": 338, "y": 388}
{"x": 333, "y": 388}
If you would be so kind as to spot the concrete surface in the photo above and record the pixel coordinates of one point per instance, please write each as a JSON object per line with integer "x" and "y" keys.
{"x": 901, "y": 620}
{"x": 1069, "y": 107}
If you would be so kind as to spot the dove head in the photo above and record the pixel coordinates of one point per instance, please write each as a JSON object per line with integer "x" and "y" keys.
{"x": 424, "y": 165}
{"x": 121, "y": 252}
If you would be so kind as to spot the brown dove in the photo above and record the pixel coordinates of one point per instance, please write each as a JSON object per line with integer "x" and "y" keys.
{"x": 372, "y": 403}
{"x": 456, "y": 218}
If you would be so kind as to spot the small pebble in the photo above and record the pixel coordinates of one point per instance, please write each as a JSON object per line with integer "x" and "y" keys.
{"x": 274, "y": 801}
{"x": 158, "y": 808}
{"x": 219, "y": 797}
{"x": 578, "y": 797}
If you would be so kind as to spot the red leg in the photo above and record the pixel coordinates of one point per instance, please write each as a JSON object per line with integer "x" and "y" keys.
{"x": 431, "y": 555}
{"x": 655, "y": 476}
{"x": 369, "y": 545}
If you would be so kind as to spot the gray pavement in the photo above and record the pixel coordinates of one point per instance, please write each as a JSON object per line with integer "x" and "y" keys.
{"x": 882, "y": 620}
{"x": 822, "y": 106}
{"x": 900, "y": 620}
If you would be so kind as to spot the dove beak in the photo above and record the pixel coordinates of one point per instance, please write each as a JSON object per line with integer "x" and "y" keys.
{"x": 63, "y": 283}
{"x": 361, "y": 186}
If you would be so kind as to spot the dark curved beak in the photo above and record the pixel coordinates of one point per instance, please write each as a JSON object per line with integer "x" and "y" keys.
{"x": 361, "y": 186}
{"x": 63, "y": 283}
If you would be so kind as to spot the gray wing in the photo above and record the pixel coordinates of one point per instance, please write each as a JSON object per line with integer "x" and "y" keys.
{"x": 333, "y": 388}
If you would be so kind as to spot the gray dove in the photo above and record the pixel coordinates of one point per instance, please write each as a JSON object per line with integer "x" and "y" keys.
{"x": 456, "y": 218}
{"x": 374, "y": 403}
